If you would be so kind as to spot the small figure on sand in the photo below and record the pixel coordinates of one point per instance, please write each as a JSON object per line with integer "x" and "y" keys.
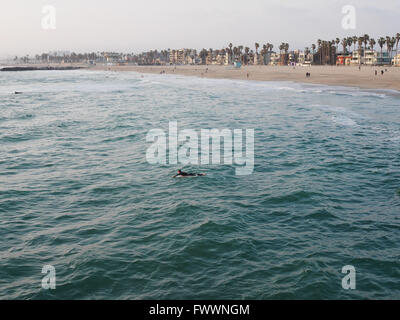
{"x": 248, "y": 75}
{"x": 308, "y": 75}
{"x": 382, "y": 72}
{"x": 376, "y": 72}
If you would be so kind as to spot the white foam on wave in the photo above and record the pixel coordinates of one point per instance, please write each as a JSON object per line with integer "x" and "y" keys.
{"x": 288, "y": 86}
{"x": 339, "y": 115}
{"x": 344, "y": 121}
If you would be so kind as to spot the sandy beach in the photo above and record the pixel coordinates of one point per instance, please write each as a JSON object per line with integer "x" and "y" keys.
{"x": 328, "y": 75}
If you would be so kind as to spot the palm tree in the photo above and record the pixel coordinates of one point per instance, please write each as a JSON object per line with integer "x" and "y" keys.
{"x": 246, "y": 57}
{"x": 344, "y": 44}
{"x": 355, "y": 40}
{"x": 235, "y": 52}
{"x": 349, "y": 42}
{"x": 319, "y": 42}
{"x": 271, "y": 46}
{"x": 337, "y": 41}
{"x": 284, "y": 47}
{"x": 203, "y": 55}
{"x": 366, "y": 39}
{"x": 313, "y": 46}
{"x": 397, "y": 42}
{"x": 381, "y": 43}
{"x": 392, "y": 44}
{"x": 264, "y": 52}
{"x": 360, "y": 43}
{"x": 240, "y": 53}
{"x": 388, "y": 43}
{"x": 257, "y": 46}
{"x": 372, "y": 43}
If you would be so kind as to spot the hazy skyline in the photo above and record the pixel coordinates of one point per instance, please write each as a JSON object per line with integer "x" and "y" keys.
{"x": 133, "y": 26}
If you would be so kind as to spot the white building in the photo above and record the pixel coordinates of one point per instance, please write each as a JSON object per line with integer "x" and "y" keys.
{"x": 371, "y": 58}
{"x": 275, "y": 59}
{"x": 396, "y": 60}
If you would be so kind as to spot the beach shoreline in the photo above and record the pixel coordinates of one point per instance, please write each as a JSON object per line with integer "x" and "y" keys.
{"x": 347, "y": 76}
{"x": 342, "y": 76}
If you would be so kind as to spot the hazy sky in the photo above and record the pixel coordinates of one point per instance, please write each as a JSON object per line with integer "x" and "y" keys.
{"x": 132, "y": 25}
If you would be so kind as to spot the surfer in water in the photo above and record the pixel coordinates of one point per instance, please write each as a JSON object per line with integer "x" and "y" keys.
{"x": 185, "y": 174}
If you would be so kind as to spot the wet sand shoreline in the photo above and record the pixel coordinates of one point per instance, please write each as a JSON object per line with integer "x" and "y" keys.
{"x": 345, "y": 76}
{"x": 326, "y": 75}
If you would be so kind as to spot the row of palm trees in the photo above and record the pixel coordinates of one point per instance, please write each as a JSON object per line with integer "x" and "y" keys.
{"x": 390, "y": 43}
{"x": 243, "y": 54}
{"x": 364, "y": 42}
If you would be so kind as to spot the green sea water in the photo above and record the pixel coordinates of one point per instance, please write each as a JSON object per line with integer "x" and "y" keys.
{"x": 77, "y": 193}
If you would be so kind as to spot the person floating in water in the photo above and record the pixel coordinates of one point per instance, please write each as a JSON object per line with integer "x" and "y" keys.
{"x": 185, "y": 174}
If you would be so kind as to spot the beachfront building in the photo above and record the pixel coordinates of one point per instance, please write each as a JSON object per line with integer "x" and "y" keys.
{"x": 172, "y": 55}
{"x": 292, "y": 58}
{"x": 177, "y": 56}
{"x": 304, "y": 58}
{"x": 228, "y": 59}
{"x": 383, "y": 59}
{"x": 357, "y": 57}
{"x": 370, "y": 58}
{"x": 267, "y": 57}
{"x": 258, "y": 59}
{"x": 190, "y": 56}
{"x": 190, "y": 59}
{"x": 367, "y": 57}
{"x": 274, "y": 59}
{"x": 343, "y": 60}
{"x": 396, "y": 60}
{"x": 113, "y": 58}
{"x": 209, "y": 58}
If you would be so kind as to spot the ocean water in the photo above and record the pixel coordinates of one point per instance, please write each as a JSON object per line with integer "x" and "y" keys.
{"x": 77, "y": 193}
